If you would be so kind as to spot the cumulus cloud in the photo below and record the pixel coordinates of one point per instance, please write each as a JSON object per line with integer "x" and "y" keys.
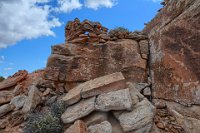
{"x": 95, "y": 4}
{"x": 28, "y": 19}
{"x": 8, "y": 68}
{"x": 25, "y": 19}
{"x": 67, "y": 6}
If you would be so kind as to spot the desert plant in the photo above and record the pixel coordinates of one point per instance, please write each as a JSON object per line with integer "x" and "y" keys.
{"x": 119, "y": 29}
{"x": 46, "y": 122}
{"x": 58, "y": 108}
{"x": 43, "y": 123}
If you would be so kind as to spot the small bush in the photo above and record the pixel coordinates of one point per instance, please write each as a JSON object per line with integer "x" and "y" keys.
{"x": 43, "y": 123}
{"x": 46, "y": 122}
{"x": 58, "y": 108}
{"x": 119, "y": 29}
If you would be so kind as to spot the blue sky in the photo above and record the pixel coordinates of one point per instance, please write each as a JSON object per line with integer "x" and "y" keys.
{"x": 28, "y": 28}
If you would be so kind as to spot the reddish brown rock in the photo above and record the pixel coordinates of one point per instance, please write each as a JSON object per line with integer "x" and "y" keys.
{"x": 93, "y": 61}
{"x": 13, "y": 80}
{"x": 5, "y": 96}
{"x": 78, "y": 127}
{"x": 175, "y": 52}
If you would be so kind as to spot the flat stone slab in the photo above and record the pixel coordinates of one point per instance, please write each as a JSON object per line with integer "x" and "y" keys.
{"x": 33, "y": 99}
{"x": 78, "y": 127}
{"x": 4, "y": 109}
{"x": 112, "y": 82}
{"x": 104, "y": 127}
{"x": 142, "y": 114}
{"x": 11, "y": 81}
{"x": 79, "y": 110}
{"x": 116, "y": 100}
{"x": 73, "y": 96}
{"x": 95, "y": 87}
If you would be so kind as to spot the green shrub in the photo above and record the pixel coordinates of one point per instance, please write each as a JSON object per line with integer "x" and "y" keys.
{"x": 58, "y": 108}
{"x": 43, "y": 123}
{"x": 46, "y": 122}
{"x": 119, "y": 29}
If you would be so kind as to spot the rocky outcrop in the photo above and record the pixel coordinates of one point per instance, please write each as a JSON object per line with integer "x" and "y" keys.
{"x": 174, "y": 63}
{"x": 175, "y": 52}
{"x": 113, "y": 82}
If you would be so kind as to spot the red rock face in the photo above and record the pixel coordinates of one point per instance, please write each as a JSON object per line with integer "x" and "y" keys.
{"x": 87, "y": 62}
{"x": 175, "y": 52}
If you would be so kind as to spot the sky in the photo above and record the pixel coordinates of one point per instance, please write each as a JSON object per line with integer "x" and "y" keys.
{"x": 28, "y": 28}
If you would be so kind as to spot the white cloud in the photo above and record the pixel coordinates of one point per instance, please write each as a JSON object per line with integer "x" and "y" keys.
{"x": 95, "y": 4}
{"x": 28, "y": 19}
{"x": 67, "y": 6}
{"x": 25, "y": 19}
{"x": 8, "y": 68}
{"x": 2, "y": 58}
{"x": 157, "y": 0}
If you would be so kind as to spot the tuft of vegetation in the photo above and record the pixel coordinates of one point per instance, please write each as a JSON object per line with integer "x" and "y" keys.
{"x": 2, "y": 78}
{"x": 58, "y": 108}
{"x": 119, "y": 29}
{"x": 46, "y": 122}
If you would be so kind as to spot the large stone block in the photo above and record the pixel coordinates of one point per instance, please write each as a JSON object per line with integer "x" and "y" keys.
{"x": 96, "y": 60}
{"x": 79, "y": 110}
{"x": 112, "y": 82}
{"x": 115, "y": 100}
{"x": 142, "y": 115}
{"x": 32, "y": 100}
{"x": 78, "y": 127}
{"x": 104, "y": 127}
{"x": 95, "y": 87}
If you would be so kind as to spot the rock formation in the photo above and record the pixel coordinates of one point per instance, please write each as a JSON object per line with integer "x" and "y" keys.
{"x": 115, "y": 81}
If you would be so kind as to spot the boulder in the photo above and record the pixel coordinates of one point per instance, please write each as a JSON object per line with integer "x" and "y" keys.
{"x": 95, "y": 117}
{"x": 5, "y": 96}
{"x": 78, "y": 127}
{"x": 4, "y": 109}
{"x": 142, "y": 115}
{"x": 18, "y": 101}
{"x": 103, "y": 84}
{"x": 79, "y": 110}
{"x": 13, "y": 80}
{"x": 189, "y": 124}
{"x": 32, "y": 100}
{"x": 95, "y": 87}
{"x": 115, "y": 100}
{"x": 103, "y": 127}
{"x": 91, "y": 61}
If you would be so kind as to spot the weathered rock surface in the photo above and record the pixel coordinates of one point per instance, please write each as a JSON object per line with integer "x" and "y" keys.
{"x": 190, "y": 125}
{"x": 94, "y": 87}
{"x": 90, "y": 62}
{"x": 175, "y": 52}
{"x": 142, "y": 115}
{"x": 115, "y": 100}
{"x": 95, "y": 117}
{"x": 103, "y": 127}
{"x": 6, "y": 108}
{"x": 13, "y": 80}
{"x": 18, "y": 101}
{"x": 79, "y": 110}
{"x": 32, "y": 100}
{"x": 5, "y": 96}
{"x": 78, "y": 127}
